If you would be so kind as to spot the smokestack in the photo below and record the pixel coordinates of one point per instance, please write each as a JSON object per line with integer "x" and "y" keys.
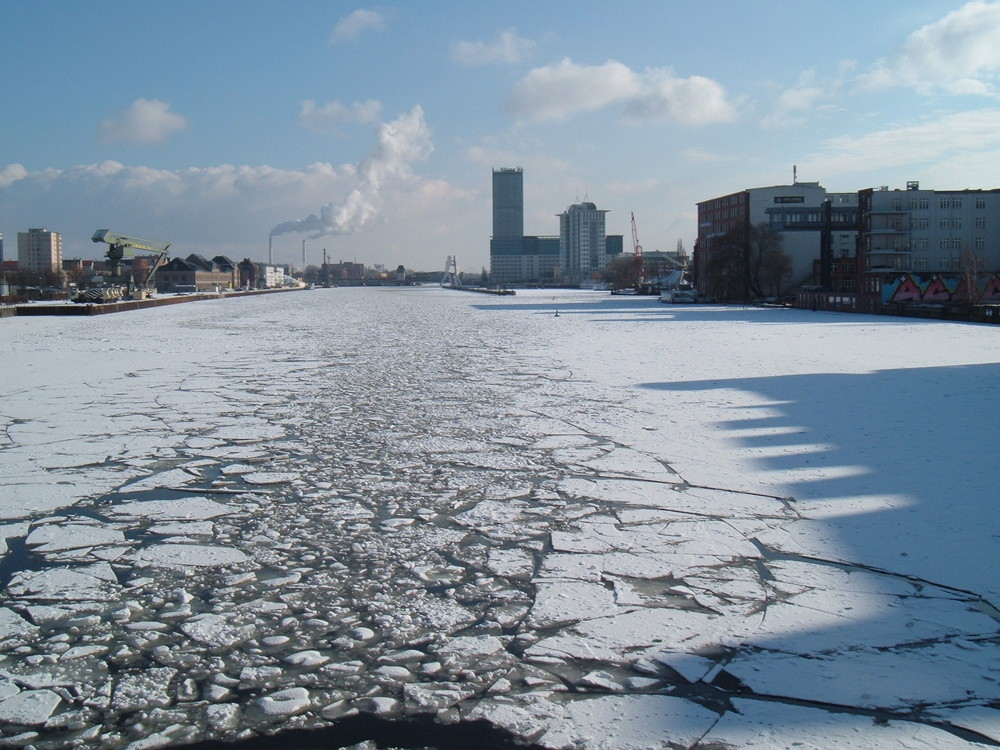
{"x": 270, "y": 256}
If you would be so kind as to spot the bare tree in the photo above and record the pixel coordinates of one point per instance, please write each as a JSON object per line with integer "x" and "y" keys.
{"x": 969, "y": 278}
{"x": 749, "y": 262}
{"x": 620, "y": 272}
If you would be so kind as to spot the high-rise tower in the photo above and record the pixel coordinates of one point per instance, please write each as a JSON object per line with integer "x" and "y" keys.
{"x": 508, "y": 203}
{"x": 507, "y": 242}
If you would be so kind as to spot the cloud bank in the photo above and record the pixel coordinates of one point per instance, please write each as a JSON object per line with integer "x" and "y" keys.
{"x": 557, "y": 91}
{"x": 229, "y": 209}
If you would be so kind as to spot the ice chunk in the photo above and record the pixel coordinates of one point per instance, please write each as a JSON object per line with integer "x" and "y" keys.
{"x": 29, "y": 707}
{"x": 285, "y": 702}
{"x": 189, "y": 555}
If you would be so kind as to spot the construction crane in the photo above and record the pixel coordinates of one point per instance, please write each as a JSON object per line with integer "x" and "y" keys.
{"x": 120, "y": 246}
{"x": 640, "y": 263}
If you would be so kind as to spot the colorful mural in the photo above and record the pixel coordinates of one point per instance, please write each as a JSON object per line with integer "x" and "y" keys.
{"x": 937, "y": 288}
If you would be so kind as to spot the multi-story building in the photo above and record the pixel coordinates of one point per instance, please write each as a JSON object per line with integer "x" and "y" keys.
{"x": 582, "y": 243}
{"x": 38, "y": 249}
{"x": 516, "y": 259}
{"x": 927, "y": 246}
{"x": 811, "y": 222}
{"x": 507, "y": 241}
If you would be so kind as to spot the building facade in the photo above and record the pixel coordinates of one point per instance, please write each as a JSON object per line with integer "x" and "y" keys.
{"x": 582, "y": 243}
{"x": 927, "y": 247}
{"x": 39, "y": 249}
{"x": 507, "y": 241}
{"x": 811, "y": 222}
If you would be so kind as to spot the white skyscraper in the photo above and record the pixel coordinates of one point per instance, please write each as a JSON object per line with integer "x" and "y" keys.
{"x": 582, "y": 243}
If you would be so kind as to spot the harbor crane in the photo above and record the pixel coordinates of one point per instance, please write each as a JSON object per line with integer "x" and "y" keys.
{"x": 640, "y": 282}
{"x": 119, "y": 247}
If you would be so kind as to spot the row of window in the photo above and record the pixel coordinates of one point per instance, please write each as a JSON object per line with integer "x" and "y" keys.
{"x": 945, "y": 264}
{"x": 901, "y": 244}
{"x": 923, "y": 204}
{"x": 923, "y": 222}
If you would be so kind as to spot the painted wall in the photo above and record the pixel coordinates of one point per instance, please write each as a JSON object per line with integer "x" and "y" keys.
{"x": 936, "y": 288}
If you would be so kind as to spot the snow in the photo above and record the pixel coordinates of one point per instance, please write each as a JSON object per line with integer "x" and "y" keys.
{"x": 631, "y": 525}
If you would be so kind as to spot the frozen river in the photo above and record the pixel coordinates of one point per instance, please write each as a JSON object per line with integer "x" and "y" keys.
{"x": 425, "y": 518}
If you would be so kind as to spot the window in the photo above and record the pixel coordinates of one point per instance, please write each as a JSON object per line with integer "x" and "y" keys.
{"x": 920, "y": 264}
{"x": 980, "y": 243}
{"x": 980, "y": 222}
{"x": 981, "y": 201}
{"x": 921, "y": 223}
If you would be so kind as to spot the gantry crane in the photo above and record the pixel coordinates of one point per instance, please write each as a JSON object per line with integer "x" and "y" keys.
{"x": 122, "y": 245}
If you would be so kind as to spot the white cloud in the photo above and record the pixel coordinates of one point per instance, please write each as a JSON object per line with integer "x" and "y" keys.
{"x": 356, "y": 23}
{"x": 508, "y": 48}
{"x": 793, "y": 104}
{"x": 11, "y": 174}
{"x": 145, "y": 121}
{"x": 927, "y": 143}
{"x": 692, "y": 101}
{"x": 960, "y": 54}
{"x": 557, "y": 91}
{"x": 333, "y": 113}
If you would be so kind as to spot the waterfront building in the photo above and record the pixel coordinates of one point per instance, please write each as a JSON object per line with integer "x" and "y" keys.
{"x": 38, "y": 249}
{"x": 927, "y": 246}
{"x": 507, "y": 263}
{"x": 813, "y": 224}
{"x": 582, "y": 243}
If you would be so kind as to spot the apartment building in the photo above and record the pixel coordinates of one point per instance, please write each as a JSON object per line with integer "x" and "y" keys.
{"x": 38, "y": 249}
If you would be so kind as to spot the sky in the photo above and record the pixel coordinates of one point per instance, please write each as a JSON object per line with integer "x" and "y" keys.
{"x": 369, "y": 132}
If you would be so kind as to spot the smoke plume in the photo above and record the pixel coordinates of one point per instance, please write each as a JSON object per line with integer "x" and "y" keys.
{"x": 400, "y": 144}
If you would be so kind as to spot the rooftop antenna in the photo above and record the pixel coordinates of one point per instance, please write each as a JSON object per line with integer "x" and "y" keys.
{"x": 795, "y": 175}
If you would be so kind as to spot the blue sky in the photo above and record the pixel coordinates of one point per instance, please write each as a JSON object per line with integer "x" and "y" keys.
{"x": 371, "y": 130}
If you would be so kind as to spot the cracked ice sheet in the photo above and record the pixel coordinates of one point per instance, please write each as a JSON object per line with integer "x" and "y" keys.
{"x": 910, "y": 676}
{"x": 773, "y": 725}
{"x": 638, "y": 722}
{"x": 671, "y": 495}
{"x": 623, "y": 638}
{"x": 831, "y": 620}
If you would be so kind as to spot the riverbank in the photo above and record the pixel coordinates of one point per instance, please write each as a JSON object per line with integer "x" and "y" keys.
{"x": 76, "y": 308}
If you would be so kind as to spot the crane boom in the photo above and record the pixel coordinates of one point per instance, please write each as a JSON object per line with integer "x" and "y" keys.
{"x": 640, "y": 263}
{"x": 124, "y": 241}
{"x": 120, "y": 245}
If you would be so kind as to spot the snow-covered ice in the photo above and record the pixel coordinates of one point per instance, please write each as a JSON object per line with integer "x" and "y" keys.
{"x": 630, "y": 525}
